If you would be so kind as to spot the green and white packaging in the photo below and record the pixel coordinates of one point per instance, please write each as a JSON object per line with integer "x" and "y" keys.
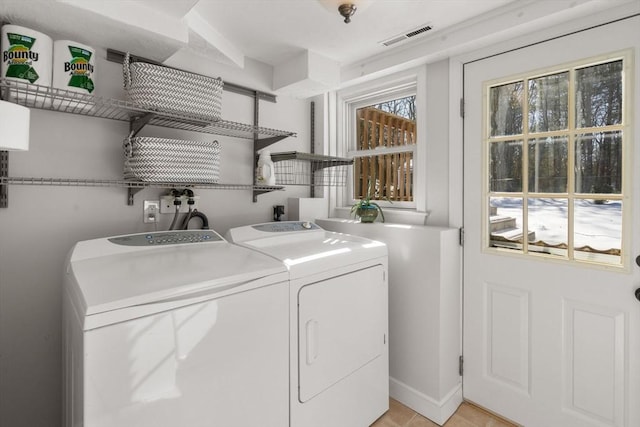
{"x": 26, "y": 55}
{"x": 74, "y": 66}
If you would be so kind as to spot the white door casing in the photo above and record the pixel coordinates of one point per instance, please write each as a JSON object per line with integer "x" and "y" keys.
{"x": 551, "y": 343}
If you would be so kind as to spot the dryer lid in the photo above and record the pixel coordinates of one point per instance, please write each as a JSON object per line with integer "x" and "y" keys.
{"x": 305, "y": 248}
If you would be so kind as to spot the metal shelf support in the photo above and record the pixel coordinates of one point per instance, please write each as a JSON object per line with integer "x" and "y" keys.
{"x": 312, "y": 148}
{"x": 132, "y": 191}
{"x": 265, "y": 142}
{"x": 4, "y": 172}
{"x": 256, "y": 143}
{"x": 137, "y": 123}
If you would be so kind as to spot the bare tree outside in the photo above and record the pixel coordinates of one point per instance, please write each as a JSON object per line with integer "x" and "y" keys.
{"x": 403, "y": 107}
{"x": 598, "y": 103}
{"x": 571, "y": 160}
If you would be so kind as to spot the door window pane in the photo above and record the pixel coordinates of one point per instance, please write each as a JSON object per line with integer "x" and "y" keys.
{"x": 506, "y": 109}
{"x": 598, "y": 230}
{"x": 599, "y": 95}
{"x": 548, "y": 103}
{"x": 506, "y": 166}
{"x": 548, "y": 159}
{"x": 505, "y": 222}
{"x": 548, "y": 226}
{"x": 599, "y": 163}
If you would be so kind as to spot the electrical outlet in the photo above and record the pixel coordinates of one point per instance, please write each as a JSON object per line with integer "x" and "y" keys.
{"x": 151, "y": 211}
{"x": 167, "y": 206}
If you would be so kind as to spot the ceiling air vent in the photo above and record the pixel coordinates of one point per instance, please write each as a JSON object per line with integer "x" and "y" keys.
{"x": 401, "y": 37}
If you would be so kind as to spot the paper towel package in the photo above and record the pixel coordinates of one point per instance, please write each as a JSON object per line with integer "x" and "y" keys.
{"x": 74, "y": 66}
{"x": 74, "y": 70}
{"x": 26, "y": 55}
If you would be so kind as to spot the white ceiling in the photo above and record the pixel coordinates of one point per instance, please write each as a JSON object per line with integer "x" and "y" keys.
{"x": 296, "y": 38}
{"x": 274, "y": 31}
{"x": 270, "y": 31}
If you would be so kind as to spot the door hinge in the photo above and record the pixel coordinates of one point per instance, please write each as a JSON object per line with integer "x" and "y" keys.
{"x": 461, "y": 241}
{"x": 460, "y": 363}
{"x": 462, "y": 107}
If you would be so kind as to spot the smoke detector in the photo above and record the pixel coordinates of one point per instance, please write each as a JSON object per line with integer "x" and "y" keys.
{"x": 406, "y": 36}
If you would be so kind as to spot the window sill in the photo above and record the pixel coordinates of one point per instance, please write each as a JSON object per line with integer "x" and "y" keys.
{"x": 395, "y": 216}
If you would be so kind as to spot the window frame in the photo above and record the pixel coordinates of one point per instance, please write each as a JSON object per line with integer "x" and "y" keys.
{"x": 348, "y": 101}
{"x": 572, "y": 132}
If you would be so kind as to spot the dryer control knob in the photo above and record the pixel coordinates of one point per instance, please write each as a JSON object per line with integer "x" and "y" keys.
{"x": 306, "y": 225}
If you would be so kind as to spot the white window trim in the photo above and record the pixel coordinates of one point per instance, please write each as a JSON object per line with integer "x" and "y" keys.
{"x": 405, "y": 83}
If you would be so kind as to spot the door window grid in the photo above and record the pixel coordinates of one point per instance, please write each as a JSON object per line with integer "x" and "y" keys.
{"x": 522, "y": 143}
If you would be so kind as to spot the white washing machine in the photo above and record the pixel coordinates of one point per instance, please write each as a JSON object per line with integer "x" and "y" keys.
{"x": 339, "y": 374}
{"x": 175, "y": 329}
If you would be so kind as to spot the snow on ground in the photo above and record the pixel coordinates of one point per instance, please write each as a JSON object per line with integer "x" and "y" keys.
{"x": 596, "y": 225}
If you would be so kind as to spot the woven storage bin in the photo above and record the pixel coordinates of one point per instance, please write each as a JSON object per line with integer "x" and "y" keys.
{"x": 168, "y": 90}
{"x": 171, "y": 160}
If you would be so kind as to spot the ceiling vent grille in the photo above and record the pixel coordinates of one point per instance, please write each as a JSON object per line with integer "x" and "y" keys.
{"x": 401, "y": 37}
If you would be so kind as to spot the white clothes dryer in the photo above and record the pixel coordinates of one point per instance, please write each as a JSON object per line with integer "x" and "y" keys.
{"x": 339, "y": 371}
{"x": 175, "y": 328}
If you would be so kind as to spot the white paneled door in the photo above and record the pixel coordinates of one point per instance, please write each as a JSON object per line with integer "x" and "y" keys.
{"x": 552, "y": 230}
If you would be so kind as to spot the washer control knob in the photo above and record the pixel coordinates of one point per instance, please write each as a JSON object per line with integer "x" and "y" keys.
{"x": 306, "y": 225}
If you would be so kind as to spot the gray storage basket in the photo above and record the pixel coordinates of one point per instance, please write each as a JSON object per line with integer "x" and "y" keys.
{"x": 153, "y": 159}
{"x": 169, "y": 90}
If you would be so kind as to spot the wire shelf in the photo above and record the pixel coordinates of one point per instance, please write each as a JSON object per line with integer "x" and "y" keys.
{"x": 294, "y": 168}
{"x": 52, "y": 99}
{"x": 73, "y": 182}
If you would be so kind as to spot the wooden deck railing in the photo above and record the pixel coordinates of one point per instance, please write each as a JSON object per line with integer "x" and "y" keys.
{"x": 393, "y": 172}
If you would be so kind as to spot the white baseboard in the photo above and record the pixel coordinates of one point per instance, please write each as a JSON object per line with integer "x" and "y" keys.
{"x": 437, "y": 411}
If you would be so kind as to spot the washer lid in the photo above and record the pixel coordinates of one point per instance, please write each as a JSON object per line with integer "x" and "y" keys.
{"x": 132, "y": 276}
{"x": 305, "y": 248}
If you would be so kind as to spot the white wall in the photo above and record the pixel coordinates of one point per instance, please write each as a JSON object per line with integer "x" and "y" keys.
{"x": 42, "y": 223}
{"x": 437, "y": 143}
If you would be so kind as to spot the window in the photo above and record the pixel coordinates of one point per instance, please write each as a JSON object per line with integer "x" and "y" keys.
{"x": 554, "y": 146}
{"x": 381, "y": 127}
{"x": 385, "y": 146}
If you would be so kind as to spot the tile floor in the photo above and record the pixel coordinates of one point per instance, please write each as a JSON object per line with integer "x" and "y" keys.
{"x": 467, "y": 415}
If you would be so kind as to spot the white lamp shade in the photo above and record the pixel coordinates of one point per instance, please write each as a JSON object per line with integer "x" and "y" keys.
{"x": 14, "y": 126}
